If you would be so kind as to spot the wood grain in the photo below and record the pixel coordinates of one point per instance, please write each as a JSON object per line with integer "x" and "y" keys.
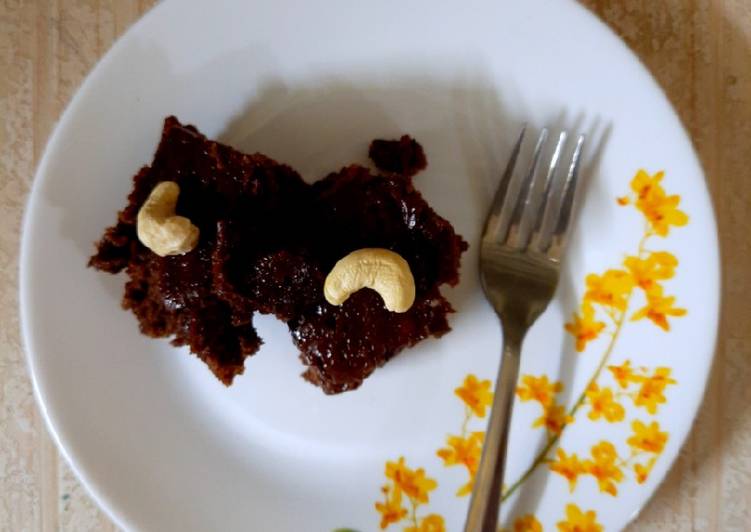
{"x": 699, "y": 51}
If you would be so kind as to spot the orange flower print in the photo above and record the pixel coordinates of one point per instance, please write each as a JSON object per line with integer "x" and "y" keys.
{"x": 647, "y": 438}
{"x": 658, "y": 266}
{"x": 660, "y": 210}
{"x": 578, "y": 521}
{"x": 391, "y": 509}
{"x": 652, "y": 390}
{"x": 569, "y": 466}
{"x": 429, "y": 523}
{"x": 413, "y": 483}
{"x": 610, "y": 289}
{"x": 604, "y": 468}
{"x": 585, "y": 328}
{"x": 538, "y": 389}
{"x": 527, "y": 523}
{"x": 624, "y": 374}
{"x": 658, "y": 308}
{"x": 644, "y": 184}
{"x": 416, "y": 486}
{"x": 554, "y": 418}
{"x": 476, "y": 394}
{"x": 464, "y": 451}
{"x": 603, "y": 404}
{"x": 642, "y": 471}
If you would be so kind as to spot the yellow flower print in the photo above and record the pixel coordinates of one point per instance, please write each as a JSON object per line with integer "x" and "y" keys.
{"x": 643, "y": 185}
{"x": 391, "y": 509}
{"x": 610, "y": 289}
{"x": 652, "y": 390}
{"x": 476, "y": 394}
{"x": 624, "y": 374}
{"x": 604, "y": 468}
{"x": 578, "y": 521}
{"x": 658, "y": 308}
{"x": 413, "y": 483}
{"x": 603, "y": 404}
{"x": 660, "y": 210}
{"x": 585, "y": 328}
{"x": 464, "y": 451}
{"x": 554, "y": 418}
{"x": 642, "y": 471}
{"x": 569, "y": 466}
{"x": 538, "y": 389}
{"x": 647, "y": 437}
{"x": 658, "y": 266}
{"x": 527, "y": 523}
{"x": 429, "y": 523}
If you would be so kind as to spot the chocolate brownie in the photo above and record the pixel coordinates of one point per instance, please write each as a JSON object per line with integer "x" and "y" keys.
{"x": 267, "y": 241}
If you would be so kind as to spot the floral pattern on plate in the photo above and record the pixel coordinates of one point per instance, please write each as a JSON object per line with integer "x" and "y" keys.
{"x": 617, "y": 391}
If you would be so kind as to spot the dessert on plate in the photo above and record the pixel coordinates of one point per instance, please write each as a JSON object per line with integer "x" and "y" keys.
{"x": 353, "y": 263}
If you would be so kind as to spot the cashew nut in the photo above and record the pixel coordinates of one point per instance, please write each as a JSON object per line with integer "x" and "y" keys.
{"x": 382, "y": 270}
{"x": 159, "y": 229}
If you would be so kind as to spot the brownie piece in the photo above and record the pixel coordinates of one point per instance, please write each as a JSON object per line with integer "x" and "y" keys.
{"x": 267, "y": 242}
{"x": 343, "y": 344}
{"x": 175, "y": 296}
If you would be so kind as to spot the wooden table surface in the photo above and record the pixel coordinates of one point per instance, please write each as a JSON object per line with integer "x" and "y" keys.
{"x": 699, "y": 51}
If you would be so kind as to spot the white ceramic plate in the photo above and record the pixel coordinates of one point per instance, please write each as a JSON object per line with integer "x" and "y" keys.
{"x": 162, "y": 445}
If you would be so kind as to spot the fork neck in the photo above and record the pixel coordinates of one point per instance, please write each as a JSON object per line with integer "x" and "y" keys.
{"x": 513, "y": 334}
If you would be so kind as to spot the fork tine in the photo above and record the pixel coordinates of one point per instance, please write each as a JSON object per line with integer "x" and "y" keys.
{"x": 518, "y": 233}
{"x": 568, "y": 193}
{"x": 547, "y": 203}
{"x": 494, "y": 221}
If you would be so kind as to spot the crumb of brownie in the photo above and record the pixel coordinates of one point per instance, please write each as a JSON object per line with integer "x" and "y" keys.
{"x": 267, "y": 241}
{"x": 404, "y": 156}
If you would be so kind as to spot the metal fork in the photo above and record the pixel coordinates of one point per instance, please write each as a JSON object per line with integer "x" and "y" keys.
{"x": 525, "y": 233}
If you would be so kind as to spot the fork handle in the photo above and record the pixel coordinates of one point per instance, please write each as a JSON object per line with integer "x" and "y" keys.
{"x": 485, "y": 504}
